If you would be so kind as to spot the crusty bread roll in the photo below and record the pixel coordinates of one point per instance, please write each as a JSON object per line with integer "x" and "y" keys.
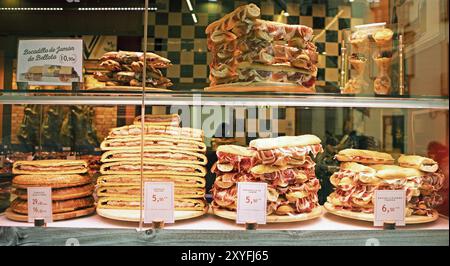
{"x": 227, "y": 22}
{"x": 284, "y": 142}
{"x": 418, "y": 162}
{"x": 364, "y": 156}
{"x": 237, "y": 150}
{"x": 395, "y": 172}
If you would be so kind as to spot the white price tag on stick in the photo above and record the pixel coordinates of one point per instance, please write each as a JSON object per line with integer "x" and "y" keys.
{"x": 389, "y": 207}
{"x": 251, "y": 202}
{"x": 159, "y": 202}
{"x": 40, "y": 204}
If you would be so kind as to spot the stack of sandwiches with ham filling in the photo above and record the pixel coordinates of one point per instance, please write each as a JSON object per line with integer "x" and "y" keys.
{"x": 260, "y": 54}
{"x": 362, "y": 172}
{"x": 171, "y": 153}
{"x": 72, "y": 188}
{"x": 284, "y": 163}
{"x": 126, "y": 69}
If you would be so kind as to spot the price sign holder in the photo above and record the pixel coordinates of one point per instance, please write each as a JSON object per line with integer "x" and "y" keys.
{"x": 389, "y": 210}
{"x": 251, "y": 204}
{"x": 40, "y": 205}
{"x": 159, "y": 203}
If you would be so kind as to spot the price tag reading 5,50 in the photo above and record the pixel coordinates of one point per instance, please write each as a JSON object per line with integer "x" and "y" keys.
{"x": 251, "y": 202}
{"x": 158, "y": 202}
{"x": 40, "y": 204}
{"x": 390, "y": 207}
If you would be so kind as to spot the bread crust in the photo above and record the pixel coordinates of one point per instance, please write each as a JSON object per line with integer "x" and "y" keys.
{"x": 284, "y": 142}
{"x": 198, "y": 170}
{"x": 264, "y": 86}
{"x": 134, "y": 192}
{"x": 228, "y": 21}
{"x": 63, "y": 193}
{"x": 395, "y": 172}
{"x": 59, "y": 206}
{"x": 132, "y": 180}
{"x": 237, "y": 150}
{"x": 201, "y": 158}
{"x": 53, "y": 181}
{"x": 364, "y": 156}
{"x": 50, "y": 163}
{"x": 418, "y": 162}
{"x": 197, "y": 146}
{"x": 127, "y": 201}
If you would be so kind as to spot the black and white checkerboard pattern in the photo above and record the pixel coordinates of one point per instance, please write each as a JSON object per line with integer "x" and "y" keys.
{"x": 173, "y": 33}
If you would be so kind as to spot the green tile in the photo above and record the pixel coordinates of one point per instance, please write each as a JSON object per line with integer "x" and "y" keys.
{"x": 174, "y": 31}
{"x": 186, "y": 19}
{"x": 187, "y": 44}
{"x": 174, "y": 57}
{"x": 331, "y": 36}
{"x": 331, "y": 61}
{"x": 187, "y": 71}
{"x": 199, "y": 58}
{"x": 200, "y": 32}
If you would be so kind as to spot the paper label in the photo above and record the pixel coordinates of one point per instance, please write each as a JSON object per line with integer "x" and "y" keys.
{"x": 389, "y": 207}
{"x": 50, "y": 61}
{"x": 159, "y": 202}
{"x": 40, "y": 204}
{"x": 251, "y": 202}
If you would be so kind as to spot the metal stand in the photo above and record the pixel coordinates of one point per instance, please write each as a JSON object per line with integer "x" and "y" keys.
{"x": 251, "y": 225}
{"x": 39, "y": 222}
{"x": 158, "y": 224}
{"x": 401, "y": 81}
{"x": 76, "y": 86}
{"x": 389, "y": 226}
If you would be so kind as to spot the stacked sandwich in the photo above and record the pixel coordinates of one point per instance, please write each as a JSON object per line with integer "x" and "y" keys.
{"x": 362, "y": 172}
{"x": 126, "y": 69}
{"x": 72, "y": 189}
{"x": 170, "y": 154}
{"x": 284, "y": 163}
{"x": 260, "y": 54}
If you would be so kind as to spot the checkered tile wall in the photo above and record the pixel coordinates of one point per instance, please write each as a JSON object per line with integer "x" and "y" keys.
{"x": 174, "y": 34}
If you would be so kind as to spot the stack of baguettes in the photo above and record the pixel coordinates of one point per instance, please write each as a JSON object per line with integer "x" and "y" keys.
{"x": 72, "y": 188}
{"x": 363, "y": 171}
{"x": 284, "y": 163}
{"x": 248, "y": 52}
{"x": 125, "y": 68}
{"x": 171, "y": 153}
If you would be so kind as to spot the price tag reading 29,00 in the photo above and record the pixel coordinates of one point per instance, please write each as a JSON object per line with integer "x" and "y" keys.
{"x": 390, "y": 207}
{"x": 159, "y": 202}
{"x": 40, "y": 204}
{"x": 251, "y": 202}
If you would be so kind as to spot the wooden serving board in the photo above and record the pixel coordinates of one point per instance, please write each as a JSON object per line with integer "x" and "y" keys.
{"x": 231, "y": 215}
{"x": 369, "y": 217}
{"x": 56, "y": 217}
{"x": 126, "y": 88}
{"x": 134, "y": 215}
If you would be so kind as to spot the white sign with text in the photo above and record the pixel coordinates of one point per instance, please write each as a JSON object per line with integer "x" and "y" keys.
{"x": 40, "y": 204}
{"x": 159, "y": 202}
{"x": 251, "y": 202}
{"x": 50, "y": 61}
{"x": 389, "y": 207}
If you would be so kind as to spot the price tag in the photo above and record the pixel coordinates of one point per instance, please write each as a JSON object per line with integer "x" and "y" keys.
{"x": 39, "y": 204}
{"x": 158, "y": 202}
{"x": 389, "y": 207}
{"x": 251, "y": 202}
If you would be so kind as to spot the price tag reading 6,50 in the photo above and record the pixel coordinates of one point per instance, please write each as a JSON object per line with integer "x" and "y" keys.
{"x": 251, "y": 202}
{"x": 158, "y": 202}
{"x": 390, "y": 207}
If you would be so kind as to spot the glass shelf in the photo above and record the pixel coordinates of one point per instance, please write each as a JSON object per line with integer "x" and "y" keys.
{"x": 222, "y": 99}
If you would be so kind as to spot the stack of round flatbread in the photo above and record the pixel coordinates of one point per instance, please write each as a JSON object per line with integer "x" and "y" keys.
{"x": 72, "y": 188}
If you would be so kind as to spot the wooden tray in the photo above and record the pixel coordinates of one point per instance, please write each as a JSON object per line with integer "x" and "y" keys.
{"x": 231, "y": 215}
{"x": 126, "y": 88}
{"x": 369, "y": 217}
{"x": 134, "y": 215}
{"x": 56, "y": 217}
